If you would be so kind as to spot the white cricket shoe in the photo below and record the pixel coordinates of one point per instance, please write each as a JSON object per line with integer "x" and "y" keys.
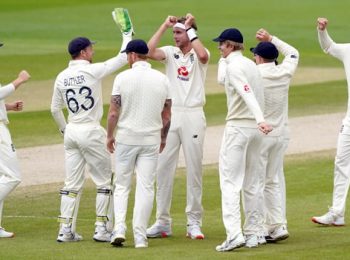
{"x": 6, "y": 234}
{"x": 101, "y": 234}
{"x": 118, "y": 236}
{"x": 278, "y": 234}
{"x": 251, "y": 241}
{"x": 329, "y": 219}
{"x": 140, "y": 242}
{"x": 261, "y": 240}
{"x": 231, "y": 244}
{"x": 159, "y": 230}
{"x": 69, "y": 237}
{"x": 194, "y": 232}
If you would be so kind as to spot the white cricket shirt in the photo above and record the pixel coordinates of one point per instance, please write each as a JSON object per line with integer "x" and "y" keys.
{"x": 244, "y": 91}
{"x": 4, "y": 92}
{"x": 143, "y": 92}
{"x": 187, "y": 76}
{"x": 78, "y": 87}
{"x": 341, "y": 52}
{"x": 276, "y": 81}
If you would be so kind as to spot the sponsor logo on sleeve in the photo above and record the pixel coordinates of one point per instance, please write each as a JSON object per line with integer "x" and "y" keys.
{"x": 246, "y": 88}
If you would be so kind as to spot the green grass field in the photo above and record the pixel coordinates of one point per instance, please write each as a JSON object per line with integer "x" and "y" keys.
{"x": 32, "y": 212}
{"x": 36, "y": 33}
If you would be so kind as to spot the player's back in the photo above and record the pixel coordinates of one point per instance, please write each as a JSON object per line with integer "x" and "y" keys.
{"x": 81, "y": 92}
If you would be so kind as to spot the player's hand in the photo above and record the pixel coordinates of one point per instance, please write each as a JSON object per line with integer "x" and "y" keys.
{"x": 161, "y": 148}
{"x": 14, "y": 106}
{"x": 17, "y": 105}
{"x": 189, "y": 20}
{"x": 322, "y": 23}
{"x": 111, "y": 144}
{"x": 170, "y": 21}
{"x": 263, "y": 36}
{"x": 23, "y": 76}
{"x": 265, "y": 128}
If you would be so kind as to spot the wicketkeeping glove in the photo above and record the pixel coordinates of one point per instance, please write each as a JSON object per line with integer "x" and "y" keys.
{"x": 122, "y": 19}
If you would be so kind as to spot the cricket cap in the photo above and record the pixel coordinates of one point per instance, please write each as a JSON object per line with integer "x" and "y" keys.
{"x": 78, "y": 44}
{"x": 137, "y": 46}
{"x": 266, "y": 50}
{"x": 231, "y": 34}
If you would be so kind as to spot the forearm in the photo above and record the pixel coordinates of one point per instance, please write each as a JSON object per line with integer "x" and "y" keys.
{"x": 166, "y": 119}
{"x": 200, "y": 50}
{"x": 324, "y": 40}
{"x": 6, "y": 91}
{"x": 154, "y": 41}
{"x": 284, "y": 47}
{"x": 222, "y": 71}
{"x": 59, "y": 120}
{"x": 111, "y": 124}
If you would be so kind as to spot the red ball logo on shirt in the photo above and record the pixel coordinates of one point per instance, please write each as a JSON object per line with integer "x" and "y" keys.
{"x": 182, "y": 71}
{"x": 246, "y": 88}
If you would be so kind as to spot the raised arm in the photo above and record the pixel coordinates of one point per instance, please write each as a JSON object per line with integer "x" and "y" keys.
{"x": 154, "y": 52}
{"x": 22, "y": 77}
{"x": 197, "y": 45}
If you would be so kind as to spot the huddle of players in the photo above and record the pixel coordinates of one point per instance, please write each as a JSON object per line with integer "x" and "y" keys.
{"x": 156, "y": 114}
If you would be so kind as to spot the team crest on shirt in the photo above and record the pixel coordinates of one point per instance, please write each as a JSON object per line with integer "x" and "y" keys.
{"x": 192, "y": 58}
{"x": 182, "y": 73}
{"x": 176, "y": 56}
{"x": 246, "y": 88}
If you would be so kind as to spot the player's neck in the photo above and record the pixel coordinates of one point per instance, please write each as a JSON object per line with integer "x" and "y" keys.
{"x": 186, "y": 49}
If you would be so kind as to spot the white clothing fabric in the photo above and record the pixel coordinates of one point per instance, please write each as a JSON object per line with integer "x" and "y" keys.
{"x": 143, "y": 93}
{"x": 10, "y": 175}
{"x": 187, "y": 76}
{"x": 342, "y": 159}
{"x": 140, "y": 120}
{"x": 4, "y": 92}
{"x": 240, "y": 143}
{"x": 78, "y": 88}
{"x": 245, "y": 98}
{"x": 276, "y": 81}
{"x": 143, "y": 160}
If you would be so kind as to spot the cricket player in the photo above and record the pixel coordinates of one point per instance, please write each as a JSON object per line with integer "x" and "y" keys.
{"x": 276, "y": 81}
{"x": 78, "y": 88}
{"x": 10, "y": 175}
{"x": 241, "y": 140}
{"x": 186, "y": 65}
{"x": 141, "y": 109}
{"x": 335, "y": 215}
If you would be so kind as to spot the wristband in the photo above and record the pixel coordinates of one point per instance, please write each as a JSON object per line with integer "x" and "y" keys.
{"x": 191, "y": 33}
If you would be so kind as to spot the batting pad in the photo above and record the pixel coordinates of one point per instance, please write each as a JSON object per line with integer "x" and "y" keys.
{"x": 122, "y": 19}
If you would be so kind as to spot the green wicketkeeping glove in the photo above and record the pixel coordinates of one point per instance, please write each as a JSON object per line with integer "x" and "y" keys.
{"x": 122, "y": 19}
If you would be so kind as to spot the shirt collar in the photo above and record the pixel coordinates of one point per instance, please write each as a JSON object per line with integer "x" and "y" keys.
{"x": 141, "y": 63}
{"x": 78, "y": 62}
{"x": 233, "y": 55}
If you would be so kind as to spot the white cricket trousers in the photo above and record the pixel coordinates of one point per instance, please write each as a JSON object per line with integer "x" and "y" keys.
{"x": 187, "y": 129}
{"x": 237, "y": 160}
{"x": 270, "y": 195}
{"x": 10, "y": 175}
{"x": 85, "y": 144}
{"x": 341, "y": 171}
{"x": 143, "y": 160}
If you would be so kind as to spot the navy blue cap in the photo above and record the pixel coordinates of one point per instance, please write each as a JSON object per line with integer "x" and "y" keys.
{"x": 231, "y": 34}
{"x": 137, "y": 46}
{"x": 78, "y": 44}
{"x": 266, "y": 50}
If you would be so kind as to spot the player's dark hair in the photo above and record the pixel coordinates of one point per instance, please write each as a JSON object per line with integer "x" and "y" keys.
{"x": 183, "y": 19}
